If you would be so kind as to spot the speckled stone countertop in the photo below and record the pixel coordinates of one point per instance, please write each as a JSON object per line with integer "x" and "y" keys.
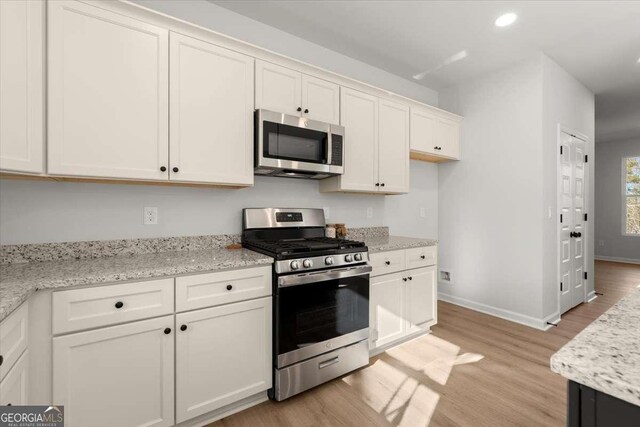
{"x": 606, "y": 354}
{"x": 390, "y": 243}
{"x": 19, "y": 281}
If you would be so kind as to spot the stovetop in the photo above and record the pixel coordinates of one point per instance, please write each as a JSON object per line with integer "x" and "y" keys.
{"x": 304, "y": 246}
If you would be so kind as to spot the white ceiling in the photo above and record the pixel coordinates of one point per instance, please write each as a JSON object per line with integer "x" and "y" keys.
{"x": 596, "y": 41}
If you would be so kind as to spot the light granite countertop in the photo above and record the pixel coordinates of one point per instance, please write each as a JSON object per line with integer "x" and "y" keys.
{"x": 606, "y": 354}
{"x": 19, "y": 281}
{"x": 391, "y": 243}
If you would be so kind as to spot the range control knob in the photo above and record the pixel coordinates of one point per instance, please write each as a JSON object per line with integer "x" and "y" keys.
{"x": 358, "y": 257}
{"x": 295, "y": 265}
{"x": 307, "y": 263}
{"x": 328, "y": 260}
{"x": 348, "y": 257}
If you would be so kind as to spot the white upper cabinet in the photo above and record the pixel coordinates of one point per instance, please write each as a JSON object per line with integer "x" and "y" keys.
{"x": 283, "y": 90}
{"x": 393, "y": 142}
{"x": 278, "y": 88}
{"x": 434, "y": 137}
{"x": 22, "y": 86}
{"x": 359, "y": 116}
{"x": 108, "y": 94}
{"x": 320, "y": 100}
{"x": 211, "y": 113}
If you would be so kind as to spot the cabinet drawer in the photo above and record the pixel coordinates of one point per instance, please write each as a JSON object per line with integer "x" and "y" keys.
{"x": 387, "y": 262}
{"x": 422, "y": 257}
{"x": 107, "y": 305}
{"x": 13, "y": 338}
{"x": 206, "y": 290}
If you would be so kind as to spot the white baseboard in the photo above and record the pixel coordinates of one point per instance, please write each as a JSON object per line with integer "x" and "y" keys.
{"x": 554, "y": 318}
{"x": 617, "y": 259}
{"x": 591, "y": 296}
{"x": 512, "y": 316}
{"x": 241, "y": 405}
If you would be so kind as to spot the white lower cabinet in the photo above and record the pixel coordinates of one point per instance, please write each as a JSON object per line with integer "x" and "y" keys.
{"x": 121, "y": 375}
{"x": 223, "y": 354}
{"x": 402, "y": 303}
{"x": 13, "y": 388}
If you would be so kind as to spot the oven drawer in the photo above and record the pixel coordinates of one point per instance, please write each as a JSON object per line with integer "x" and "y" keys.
{"x": 207, "y": 290}
{"x": 422, "y": 257}
{"x": 310, "y": 373}
{"x": 387, "y": 262}
{"x": 95, "y": 307}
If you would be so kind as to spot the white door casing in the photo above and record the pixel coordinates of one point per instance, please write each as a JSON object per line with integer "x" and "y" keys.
{"x": 572, "y": 196}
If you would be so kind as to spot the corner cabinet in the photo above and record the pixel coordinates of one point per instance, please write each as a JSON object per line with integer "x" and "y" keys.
{"x": 287, "y": 91}
{"x": 435, "y": 135}
{"x": 376, "y": 145}
{"x": 22, "y": 82}
{"x": 403, "y": 300}
{"x": 211, "y": 113}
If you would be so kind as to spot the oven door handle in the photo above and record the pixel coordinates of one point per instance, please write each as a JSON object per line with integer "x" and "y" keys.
{"x": 322, "y": 276}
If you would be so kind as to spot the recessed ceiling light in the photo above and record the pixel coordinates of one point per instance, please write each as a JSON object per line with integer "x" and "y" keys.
{"x": 506, "y": 19}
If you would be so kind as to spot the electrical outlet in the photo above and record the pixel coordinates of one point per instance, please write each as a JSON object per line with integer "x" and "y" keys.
{"x": 445, "y": 277}
{"x": 327, "y": 212}
{"x": 150, "y": 215}
{"x": 369, "y": 212}
{"x": 600, "y": 242}
{"x": 423, "y": 212}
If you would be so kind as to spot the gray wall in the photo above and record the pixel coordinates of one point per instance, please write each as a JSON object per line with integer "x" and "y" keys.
{"x": 38, "y": 212}
{"x": 610, "y": 242}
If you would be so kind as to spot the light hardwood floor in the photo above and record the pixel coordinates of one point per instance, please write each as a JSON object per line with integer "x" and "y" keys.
{"x": 473, "y": 370}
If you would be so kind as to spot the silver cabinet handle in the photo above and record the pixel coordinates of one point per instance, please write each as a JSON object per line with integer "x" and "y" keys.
{"x": 328, "y": 362}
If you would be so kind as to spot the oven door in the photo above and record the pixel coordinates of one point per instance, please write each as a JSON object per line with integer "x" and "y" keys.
{"x": 291, "y": 144}
{"x": 319, "y": 312}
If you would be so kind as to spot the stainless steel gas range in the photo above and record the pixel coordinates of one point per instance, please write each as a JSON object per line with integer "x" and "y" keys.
{"x": 320, "y": 297}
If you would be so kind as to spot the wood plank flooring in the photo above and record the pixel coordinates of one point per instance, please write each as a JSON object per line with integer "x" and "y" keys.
{"x": 473, "y": 370}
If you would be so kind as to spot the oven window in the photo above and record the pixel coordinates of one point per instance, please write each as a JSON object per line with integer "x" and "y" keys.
{"x": 294, "y": 143}
{"x": 308, "y": 314}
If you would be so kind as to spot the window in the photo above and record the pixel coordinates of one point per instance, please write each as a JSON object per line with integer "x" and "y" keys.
{"x": 631, "y": 195}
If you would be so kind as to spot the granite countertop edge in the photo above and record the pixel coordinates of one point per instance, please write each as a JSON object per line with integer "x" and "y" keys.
{"x": 393, "y": 243}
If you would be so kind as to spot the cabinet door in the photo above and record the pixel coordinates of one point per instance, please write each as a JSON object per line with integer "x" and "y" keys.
{"x": 420, "y": 297}
{"x": 448, "y": 138}
{"x": 211, "y": 113}
{"x": 13, "y": 388}
{"x": 423, "y": 131}
{"x": 393, "y": 147}
{"x": 21, "y": 85}
{"x": 321, "y": 99}
{"x": 278, "y": 88}
{"x": 386, "y": 309}
{"x": 125, "y": 372}
{"x": 222, "y": 355}
{"x": 108, "y": 94}
{"x": 359, "y": 116}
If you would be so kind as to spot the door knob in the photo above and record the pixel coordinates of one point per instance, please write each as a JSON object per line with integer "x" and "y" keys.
{"x": 578, "y": 234}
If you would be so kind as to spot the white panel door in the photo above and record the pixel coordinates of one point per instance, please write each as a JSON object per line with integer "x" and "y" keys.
{"x": 393, "y": 143}
{"x": 22, "y": 86}
{"x": 359, "y": 116}
{"x": 386, "y": 309}
{"x": 211, "y": 113}
{"x": 223, "y": 354}
{"x": 420, "y": 298}
{"x": 320, "y": 100}
{"x": 108, "y": 94}
{"x": 123, "y": 373}
{"x": 448, "y": 139}
{"x": 14, "y": 387}
{"x": 423, "y": 131}
{"x": 571, "y": 250}
{"x": 278, "y": 88}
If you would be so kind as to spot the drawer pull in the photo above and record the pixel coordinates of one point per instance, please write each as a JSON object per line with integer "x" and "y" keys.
{"x": 422, "y": 257}
{"x": 328, "y": 362}
{"x": 229, "y": 287}
{"x": 388, "y": 262}
{"x": 410, "y": 278}
{"x": 119, "y": 304}
{"x": 167, "y": 331}
{"x": 183, "y": 328}
{"x": 404, "y": 279}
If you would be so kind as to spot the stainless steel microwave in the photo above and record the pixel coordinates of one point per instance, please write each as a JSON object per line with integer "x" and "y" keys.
{"x": 296, "y": 147}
